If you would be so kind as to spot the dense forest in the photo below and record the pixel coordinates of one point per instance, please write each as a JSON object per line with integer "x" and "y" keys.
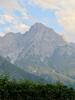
{"x": 28, "y": 90}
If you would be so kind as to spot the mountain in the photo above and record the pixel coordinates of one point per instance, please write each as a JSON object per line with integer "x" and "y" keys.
{"x": 63, "y": 60}
{"x": 42, "y": 52}
{"x": 11, "y": 45}
{"x": 14, "y": 72}
{"x": 40, "y": 43}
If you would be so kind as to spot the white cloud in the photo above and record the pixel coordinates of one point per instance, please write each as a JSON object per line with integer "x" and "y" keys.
{"x": 22, "y": 27}
{"x": 10, "y": 5}
{"x": 9, "y": 18}
{"x": 13, "y": 23}
{"x": 64, "y": 9}
{"x": 18, "y": 28}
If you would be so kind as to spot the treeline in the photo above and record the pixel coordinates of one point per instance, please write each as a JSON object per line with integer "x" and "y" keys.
{"x": 28, "y": 90}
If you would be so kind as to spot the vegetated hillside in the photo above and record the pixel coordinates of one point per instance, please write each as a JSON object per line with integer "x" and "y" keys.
{"x": 14, "y": 72}
{"x": 27, "y": 90}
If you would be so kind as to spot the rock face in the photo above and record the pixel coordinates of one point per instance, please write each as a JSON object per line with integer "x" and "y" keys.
{"x": 63, "y": 60}
{"x": 39, "y": 42}
{"x": 40, "y": 51}
{"x": 14, "y": 72}
{"x": 10, "y": 45}
{"x": 39, "y": 45}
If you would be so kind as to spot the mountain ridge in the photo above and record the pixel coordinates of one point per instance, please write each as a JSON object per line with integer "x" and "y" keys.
{"x": 40, "y": 51}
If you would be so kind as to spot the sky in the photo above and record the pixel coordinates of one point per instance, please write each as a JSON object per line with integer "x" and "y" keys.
{"x": 20, "y": 15}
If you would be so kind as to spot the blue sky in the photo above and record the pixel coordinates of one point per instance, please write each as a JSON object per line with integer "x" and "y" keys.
{"x": 47, "y": 17}
{"x": 19, "y": 15}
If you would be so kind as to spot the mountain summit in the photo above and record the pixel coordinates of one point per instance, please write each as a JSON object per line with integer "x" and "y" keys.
{"x": 39, "y": 43}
